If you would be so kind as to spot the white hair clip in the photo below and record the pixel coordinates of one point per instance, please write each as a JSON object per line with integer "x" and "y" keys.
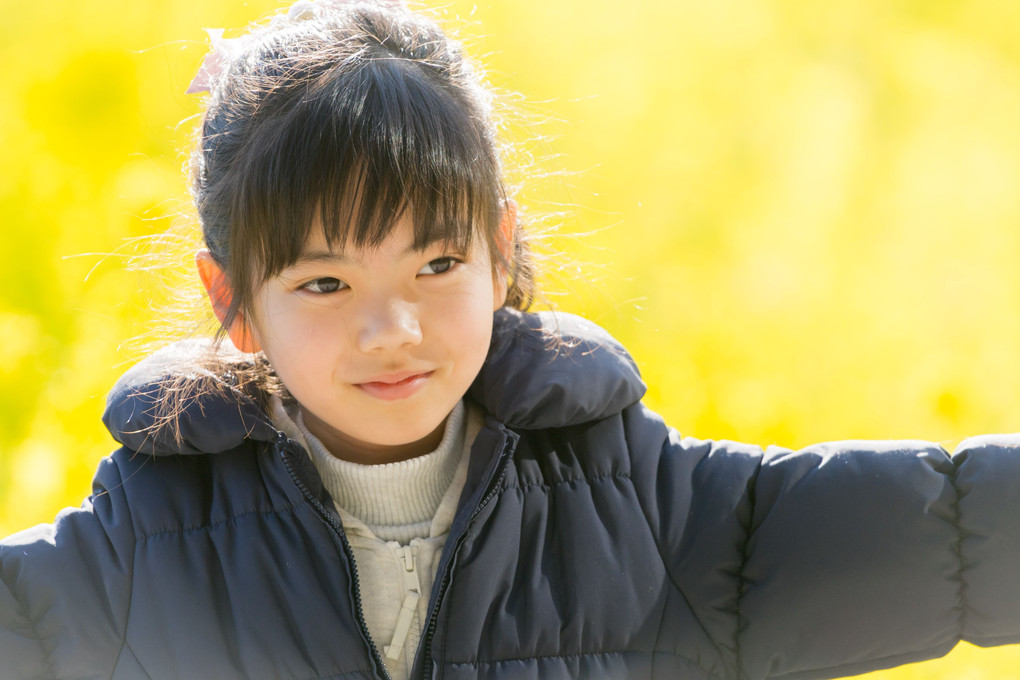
{"x": 216, "y": 61}
{"x": 308, "y": 9}
{"x": 225, "y": 49}
{"x": 303, "y": 9}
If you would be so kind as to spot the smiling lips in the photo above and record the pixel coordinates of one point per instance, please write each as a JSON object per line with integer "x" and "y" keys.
{"x": 395, "y": 386}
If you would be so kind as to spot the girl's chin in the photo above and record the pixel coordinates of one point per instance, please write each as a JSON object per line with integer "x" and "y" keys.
{"x": 399, "y": 443}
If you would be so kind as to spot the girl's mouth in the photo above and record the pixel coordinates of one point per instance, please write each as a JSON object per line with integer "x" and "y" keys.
{"x": 399, "y": 388}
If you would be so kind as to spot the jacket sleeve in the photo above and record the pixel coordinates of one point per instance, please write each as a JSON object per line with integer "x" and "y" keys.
{"x": 844, "y": 557}
{"x": 65, "y": 588}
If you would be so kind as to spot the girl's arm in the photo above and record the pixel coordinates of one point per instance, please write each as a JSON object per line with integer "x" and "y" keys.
{"x": 899, "y": 552}
{"x": 843, "y": 557}
{"x": 65, "y": 589}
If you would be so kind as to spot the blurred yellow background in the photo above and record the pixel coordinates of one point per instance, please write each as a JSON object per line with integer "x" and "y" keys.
{"x": 802, "y": 218}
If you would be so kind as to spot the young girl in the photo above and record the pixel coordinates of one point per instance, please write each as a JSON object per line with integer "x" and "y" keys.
{"x": 391, "y": 469}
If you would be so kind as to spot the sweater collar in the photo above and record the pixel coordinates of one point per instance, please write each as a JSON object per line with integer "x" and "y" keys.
{"x": 543, "y": 370}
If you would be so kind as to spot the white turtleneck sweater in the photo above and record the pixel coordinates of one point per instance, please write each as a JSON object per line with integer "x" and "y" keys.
{"x": 397, "y": 517}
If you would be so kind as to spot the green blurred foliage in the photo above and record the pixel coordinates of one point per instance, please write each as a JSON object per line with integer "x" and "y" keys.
{"x": 800, "y": 217}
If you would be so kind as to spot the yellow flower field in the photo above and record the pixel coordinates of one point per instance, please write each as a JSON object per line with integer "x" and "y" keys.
{"x": 802, "y": 218}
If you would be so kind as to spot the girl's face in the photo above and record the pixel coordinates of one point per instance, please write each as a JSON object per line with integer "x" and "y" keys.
{"x": 379, "y": 344}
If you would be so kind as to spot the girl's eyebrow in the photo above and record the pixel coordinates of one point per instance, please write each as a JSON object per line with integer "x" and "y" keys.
{"x": 317, "y": 256}
{"x": 321, "y": 256}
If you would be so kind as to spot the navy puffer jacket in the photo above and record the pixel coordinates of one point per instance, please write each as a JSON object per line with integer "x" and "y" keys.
{"x": 591, "y": 541}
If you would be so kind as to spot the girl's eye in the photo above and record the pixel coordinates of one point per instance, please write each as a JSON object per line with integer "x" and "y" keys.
{"x": 440, "y": 265}
{"x": 326, "y": 284}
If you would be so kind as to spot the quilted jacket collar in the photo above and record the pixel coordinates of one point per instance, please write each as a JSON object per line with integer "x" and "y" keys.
{"x": 543, "y": 370}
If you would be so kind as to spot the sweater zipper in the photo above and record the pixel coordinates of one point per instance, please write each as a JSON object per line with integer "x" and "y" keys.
{"x": 433, "y": 621}
{"x": 284, "y": 444}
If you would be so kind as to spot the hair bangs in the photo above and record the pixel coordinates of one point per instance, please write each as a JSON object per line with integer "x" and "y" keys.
{"x": 368, "y": 142}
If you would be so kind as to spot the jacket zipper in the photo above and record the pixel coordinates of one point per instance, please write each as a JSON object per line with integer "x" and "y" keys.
{"x": 412, "y": 593}
{"x": 508, "y": 447}
{"x": 284, "y": 444}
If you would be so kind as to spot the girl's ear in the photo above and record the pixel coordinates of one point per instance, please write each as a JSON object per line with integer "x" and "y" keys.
{"x": 220, "y": 293}
{"x": 507, "y": 228}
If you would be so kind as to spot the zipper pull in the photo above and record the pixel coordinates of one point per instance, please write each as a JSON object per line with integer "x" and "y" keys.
{"x": 410, "y": 605}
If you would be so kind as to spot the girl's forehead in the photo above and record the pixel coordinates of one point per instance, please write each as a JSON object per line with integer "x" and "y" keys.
{"x": 399, "y": 241}
{"x": 340, "y": 241}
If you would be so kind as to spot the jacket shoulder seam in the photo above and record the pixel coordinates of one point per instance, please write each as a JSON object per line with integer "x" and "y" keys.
{"x": 679, "y": 590}
{"x": 742, "y": 580}
{"x": 134, "y": 554}
{"x": 131, "y": 650}
{"x": 961, "y": 535}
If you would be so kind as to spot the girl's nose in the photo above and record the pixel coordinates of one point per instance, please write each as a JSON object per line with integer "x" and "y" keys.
{"x": 389, "y": 325}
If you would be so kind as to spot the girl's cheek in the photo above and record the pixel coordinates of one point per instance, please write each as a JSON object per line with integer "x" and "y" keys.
{"x": 288, "y": 322}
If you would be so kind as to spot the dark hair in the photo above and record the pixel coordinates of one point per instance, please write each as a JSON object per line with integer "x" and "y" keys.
{"x": 352, "y": 116}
